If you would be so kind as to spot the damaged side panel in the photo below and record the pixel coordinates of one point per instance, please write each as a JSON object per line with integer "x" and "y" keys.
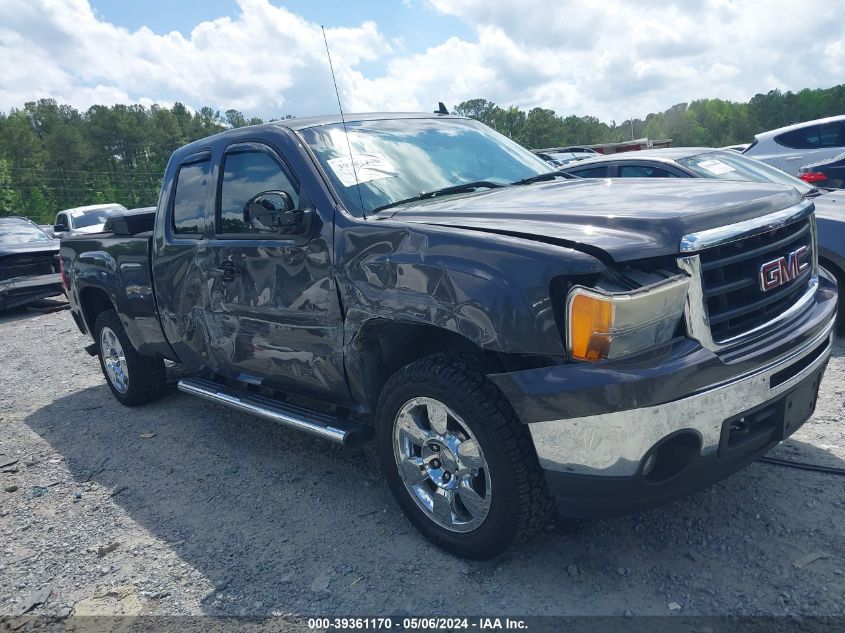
{"x": 497, "y": 299}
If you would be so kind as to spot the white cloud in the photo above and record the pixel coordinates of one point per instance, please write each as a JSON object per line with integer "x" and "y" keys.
{"x": 618, "y": 58}
{"x": 612, "y": 59}
{"x": 266, "y": 60}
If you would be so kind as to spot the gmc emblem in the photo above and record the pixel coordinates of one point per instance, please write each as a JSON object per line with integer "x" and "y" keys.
{"x": 783, "y": 269}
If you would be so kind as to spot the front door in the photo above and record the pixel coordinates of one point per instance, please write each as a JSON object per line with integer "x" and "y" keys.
{"x": 274, "y": 316}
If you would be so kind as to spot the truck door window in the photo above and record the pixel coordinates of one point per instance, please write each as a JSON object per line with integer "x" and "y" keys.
{"x": 61, "y": 221}
{"x": 246, "y": 174}
{"x": 190, "y": 198}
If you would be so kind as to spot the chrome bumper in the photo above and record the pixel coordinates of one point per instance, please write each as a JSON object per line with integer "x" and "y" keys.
{"x": 18, "y": 283}
{"x": 614, "y": 444}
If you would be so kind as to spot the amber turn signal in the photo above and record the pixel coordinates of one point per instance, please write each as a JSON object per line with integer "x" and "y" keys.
{"x": 591, "y": 319}
{"x": 612, "y": 325}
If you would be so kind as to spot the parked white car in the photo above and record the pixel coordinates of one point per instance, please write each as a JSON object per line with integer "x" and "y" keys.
{"x": 791, "y": 147}
{"x": 81, "y": 220}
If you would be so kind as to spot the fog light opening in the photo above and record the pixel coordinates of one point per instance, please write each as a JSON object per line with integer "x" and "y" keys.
{"x": 671, "y": 456}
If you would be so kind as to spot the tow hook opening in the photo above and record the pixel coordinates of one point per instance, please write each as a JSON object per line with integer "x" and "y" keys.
{"x": 670, "y": 456}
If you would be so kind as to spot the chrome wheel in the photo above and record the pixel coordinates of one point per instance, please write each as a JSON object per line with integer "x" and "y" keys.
{"x": 441, "y": 464}
{"x": 114, "y": 360}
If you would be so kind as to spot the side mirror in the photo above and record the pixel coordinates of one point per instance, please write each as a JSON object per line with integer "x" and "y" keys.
{"x": 274, "y": 211}
{"x": 58, "y": 228}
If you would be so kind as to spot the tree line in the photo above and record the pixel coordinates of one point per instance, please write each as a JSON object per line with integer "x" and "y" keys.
{"x": 53, "y": 156}
{"x": 704, "y": 122}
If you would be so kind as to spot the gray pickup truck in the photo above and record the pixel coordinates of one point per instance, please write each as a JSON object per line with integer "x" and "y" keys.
{"x": 511, "y": 339}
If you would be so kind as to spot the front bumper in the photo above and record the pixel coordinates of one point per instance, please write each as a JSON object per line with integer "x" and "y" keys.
{"x": 599, "y": 429}
{"x": 21, "y": 290}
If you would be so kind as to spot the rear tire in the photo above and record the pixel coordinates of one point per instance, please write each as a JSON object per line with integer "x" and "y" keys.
{"x": 132, "y": 377}
{"x": 494, "y": 490}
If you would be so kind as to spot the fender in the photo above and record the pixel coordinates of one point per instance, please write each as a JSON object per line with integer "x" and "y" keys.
{"x": 123, "y": 274}
{"x": 492, "y": 290}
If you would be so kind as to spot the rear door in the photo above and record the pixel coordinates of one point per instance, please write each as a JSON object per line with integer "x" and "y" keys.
{"x": 273, "y": 312}
{"x": 178, "y": 261}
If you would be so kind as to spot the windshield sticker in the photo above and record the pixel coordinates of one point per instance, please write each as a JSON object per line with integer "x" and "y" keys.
{"x": 367, "y": 167}
{"x": 716, "y": 167}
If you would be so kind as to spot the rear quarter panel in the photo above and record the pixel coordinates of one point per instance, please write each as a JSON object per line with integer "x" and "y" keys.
{"x": 120, "y": 267}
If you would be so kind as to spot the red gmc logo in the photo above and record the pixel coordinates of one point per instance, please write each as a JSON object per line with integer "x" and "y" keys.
{"x": 783, "y": 269}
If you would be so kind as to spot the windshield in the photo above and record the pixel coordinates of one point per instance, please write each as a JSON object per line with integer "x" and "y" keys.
{"x": 93, "y": 218}
{"x": 21, "y": 232}
{"x": 733, "y": 166}
{"x": 398, "y": 159}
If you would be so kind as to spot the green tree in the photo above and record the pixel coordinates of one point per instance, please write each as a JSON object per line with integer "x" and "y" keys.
{"x": 235, "y": 118}
{"x": 10, "y": 199}
{"x": 542, "y": 128}
{"x": 478, "y": 109}
{"x": 509, "y": 121}
{"x": 52, "y": 156}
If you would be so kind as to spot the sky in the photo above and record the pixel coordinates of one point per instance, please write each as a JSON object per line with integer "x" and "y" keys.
{"x": 612, "y": 59}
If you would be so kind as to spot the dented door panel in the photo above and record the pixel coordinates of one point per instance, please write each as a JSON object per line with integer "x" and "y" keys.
{"x": 277, "y": 321}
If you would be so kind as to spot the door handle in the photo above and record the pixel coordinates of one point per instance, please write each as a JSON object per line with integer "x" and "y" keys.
{"x": 227, "y": 271}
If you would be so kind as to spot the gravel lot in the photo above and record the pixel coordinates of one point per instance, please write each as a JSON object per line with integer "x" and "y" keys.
{"x": 183, "y": 507}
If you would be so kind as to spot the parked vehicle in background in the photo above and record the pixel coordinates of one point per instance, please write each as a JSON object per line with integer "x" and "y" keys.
{"x": 566, "y": 155}
{"x": 791, "y": 147}
{"x": 741, "y": 147}
{"x": 703, "y": 162}
{"x": 82, "y": 220}
{"x": 509, "y": 338}
{"x": 29, "y": 263}
{"x": 827, "y": 173}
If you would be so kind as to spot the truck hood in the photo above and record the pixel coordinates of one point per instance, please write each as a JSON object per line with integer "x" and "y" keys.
{"x": 625, "y": 218}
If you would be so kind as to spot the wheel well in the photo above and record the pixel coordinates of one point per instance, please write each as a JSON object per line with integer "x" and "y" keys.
{"x": 383, "y": 347}
{"x": 93, "y": 301}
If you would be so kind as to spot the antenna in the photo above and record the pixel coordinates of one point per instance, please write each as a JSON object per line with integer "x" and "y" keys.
{"x": 343, "y": 121}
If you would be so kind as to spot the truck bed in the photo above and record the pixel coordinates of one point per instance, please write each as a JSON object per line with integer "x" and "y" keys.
{"x": 115, "y": 269}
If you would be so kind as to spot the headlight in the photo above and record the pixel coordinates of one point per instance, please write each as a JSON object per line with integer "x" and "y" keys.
{"x": 609, "y": 325}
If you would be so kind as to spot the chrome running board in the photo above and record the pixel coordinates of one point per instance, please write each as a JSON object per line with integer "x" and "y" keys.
{"x": 323, "y": 425}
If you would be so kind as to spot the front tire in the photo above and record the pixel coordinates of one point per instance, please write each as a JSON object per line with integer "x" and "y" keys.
{"x": 132, "y": 377}
{"x": 458, "y": 460}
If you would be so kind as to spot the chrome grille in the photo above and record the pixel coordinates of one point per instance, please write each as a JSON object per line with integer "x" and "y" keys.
{"x": 730, "y": 279}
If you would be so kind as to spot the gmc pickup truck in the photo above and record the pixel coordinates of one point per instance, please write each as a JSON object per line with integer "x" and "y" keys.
{"x": 511, "y": 339}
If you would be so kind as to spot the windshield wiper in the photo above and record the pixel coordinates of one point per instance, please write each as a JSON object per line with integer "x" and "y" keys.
{"x": 549, "y": 175}
{"x": 461, "y": 188}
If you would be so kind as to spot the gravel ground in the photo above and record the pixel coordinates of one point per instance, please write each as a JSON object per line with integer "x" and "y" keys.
{"x": 184, "y": 507}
